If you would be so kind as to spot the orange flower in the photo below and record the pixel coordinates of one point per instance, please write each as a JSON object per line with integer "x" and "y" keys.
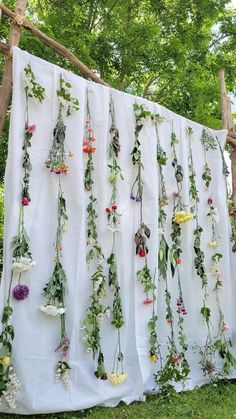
{"x": 178, "y": 261}
{"x": 63, "y": 168}
{"x": 89, "y": 149}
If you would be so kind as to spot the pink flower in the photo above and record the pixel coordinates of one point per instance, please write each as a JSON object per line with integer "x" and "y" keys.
{"x": 175, "y": 359}
{"x": 85, "y": 142}
{"x": 31, "y": 129}
{"x": 25, "y": 201}
{"x": 148, "y": 301}
{"x": 225, "y": 327}
{"x": 90, "y": 129}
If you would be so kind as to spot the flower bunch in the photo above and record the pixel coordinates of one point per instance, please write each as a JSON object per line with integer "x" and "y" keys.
{"x": 208, "y": 143}
{"x": 89, "y": 149}
{"x": 140, "y": 237}
{"x": 56, "y": 160}
{"x": 63, "y": 373}
{"x": 27, "y": 166}
{"x": 113, "y": 218}
{"x": 32, "y": 87}
{"x": 181, "y": 217}
{"x": 116, "y": 378}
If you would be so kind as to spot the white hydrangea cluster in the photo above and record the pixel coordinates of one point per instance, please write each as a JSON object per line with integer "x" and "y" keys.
{"x": 63, "y": 374}
{"x": 22, "y": 264}
{"x": 53, "y": 311}
{"x": 13, "y": 385}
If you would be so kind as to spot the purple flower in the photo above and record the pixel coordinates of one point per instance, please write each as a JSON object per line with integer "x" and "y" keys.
{"x": 64, "y": 346}
{"x": 20, "y": 292}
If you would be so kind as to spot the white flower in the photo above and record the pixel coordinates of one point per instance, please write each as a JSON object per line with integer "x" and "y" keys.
{"x": 52, "y": 310}
{"x": 65, "y": 228}
{"x": 13, "y": 385}
{"x": 22, "y": 264}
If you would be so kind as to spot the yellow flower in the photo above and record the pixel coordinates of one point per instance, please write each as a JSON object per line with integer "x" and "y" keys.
{"x": 154, "y": 358}
{"x": 5, "y": 360}
{"x": 213, "y": 244}
{"x": 117, "y": 378}
{"x": 182, "y": 217}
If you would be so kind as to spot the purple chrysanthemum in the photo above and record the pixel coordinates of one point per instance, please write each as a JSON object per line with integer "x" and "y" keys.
{"x": 20, "y": 292}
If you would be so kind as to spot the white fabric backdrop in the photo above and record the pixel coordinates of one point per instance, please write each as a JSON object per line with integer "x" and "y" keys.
{"x": 36, "y": 335}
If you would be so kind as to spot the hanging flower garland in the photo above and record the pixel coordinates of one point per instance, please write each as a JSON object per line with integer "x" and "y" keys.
{"x": 222, "y": 342}
{"x": 22, "y": 260}
{"x": 113, "y": 219}
{"x": 207, "y": 353}
{"x": 96, "y": 309}
{"x": 144, "y": 275}
{"x": 175, "y": 368}
{"x": 180, "y": 216}
{"x": 208, "y": 143}
{"x": 54, "y": 290}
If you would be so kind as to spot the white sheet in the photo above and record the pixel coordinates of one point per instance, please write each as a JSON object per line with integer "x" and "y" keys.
{"x": 36, "y": 335}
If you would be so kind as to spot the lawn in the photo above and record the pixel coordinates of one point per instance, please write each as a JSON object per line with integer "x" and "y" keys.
{"x": 207, "y": 402}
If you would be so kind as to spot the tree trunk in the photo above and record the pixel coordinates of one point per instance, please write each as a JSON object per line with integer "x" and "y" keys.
{"x": 14, "y": 39}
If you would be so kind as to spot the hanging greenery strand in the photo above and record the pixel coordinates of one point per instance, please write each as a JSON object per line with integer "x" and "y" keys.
{"x": 96, "y": 309}
{"x": 207, "y": 352}
{"x": 22, "y": 260}
{"x": 54, "y": 290}
{"x": 117, "y": 374}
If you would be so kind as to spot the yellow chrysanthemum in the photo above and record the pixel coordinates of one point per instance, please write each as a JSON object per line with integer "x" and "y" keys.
{"x": 154, "y": 358}
{"x": 5, "y": 360}
{"x": 182, "y": 217}
{"x": 213, "y": 244}
{"x": 117, "y": 378}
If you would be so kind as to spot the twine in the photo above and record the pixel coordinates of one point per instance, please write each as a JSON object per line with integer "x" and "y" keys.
{"x": 18, "y": 20}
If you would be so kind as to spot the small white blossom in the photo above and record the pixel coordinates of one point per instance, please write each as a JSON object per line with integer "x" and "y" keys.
{"x": 22, "y": 264}
{"x": 13, "y": 385}
{"x": 52, "y": 310}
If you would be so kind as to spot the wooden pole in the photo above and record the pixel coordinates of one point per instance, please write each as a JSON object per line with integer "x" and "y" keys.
{"x": 58, "y": 47}
{"x": 4, "y": 47}
{"x": 14, "y": 39}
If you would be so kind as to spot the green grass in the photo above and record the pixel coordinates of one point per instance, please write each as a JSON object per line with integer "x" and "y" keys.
{"x": 207, "y": 402}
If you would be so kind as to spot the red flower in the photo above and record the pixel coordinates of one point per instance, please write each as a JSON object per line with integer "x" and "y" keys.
{"x": 148, "y": 301}
{"x": 114, "y": 207}
{"x": 89, "y": 149}
{"x": 142, "y": 253}
{"x": 25, "y": 201}
{"x": 178, "y": 261}
{"x": 210, "y": 201}
{"x": 108, "y": 210}
{"x": 92, "y": 138}
{"x": 231, "y": 213}
{"x": 169, "y": 321}
{"x": 175, "y": 359}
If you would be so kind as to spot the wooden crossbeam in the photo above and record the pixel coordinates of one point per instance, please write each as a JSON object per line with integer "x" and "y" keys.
{"x": 54, "y": 44}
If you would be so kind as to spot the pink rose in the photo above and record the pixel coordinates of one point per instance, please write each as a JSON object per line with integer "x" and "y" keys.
{"x": 225, "y": 327}
{"x": 31, "y": 129}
